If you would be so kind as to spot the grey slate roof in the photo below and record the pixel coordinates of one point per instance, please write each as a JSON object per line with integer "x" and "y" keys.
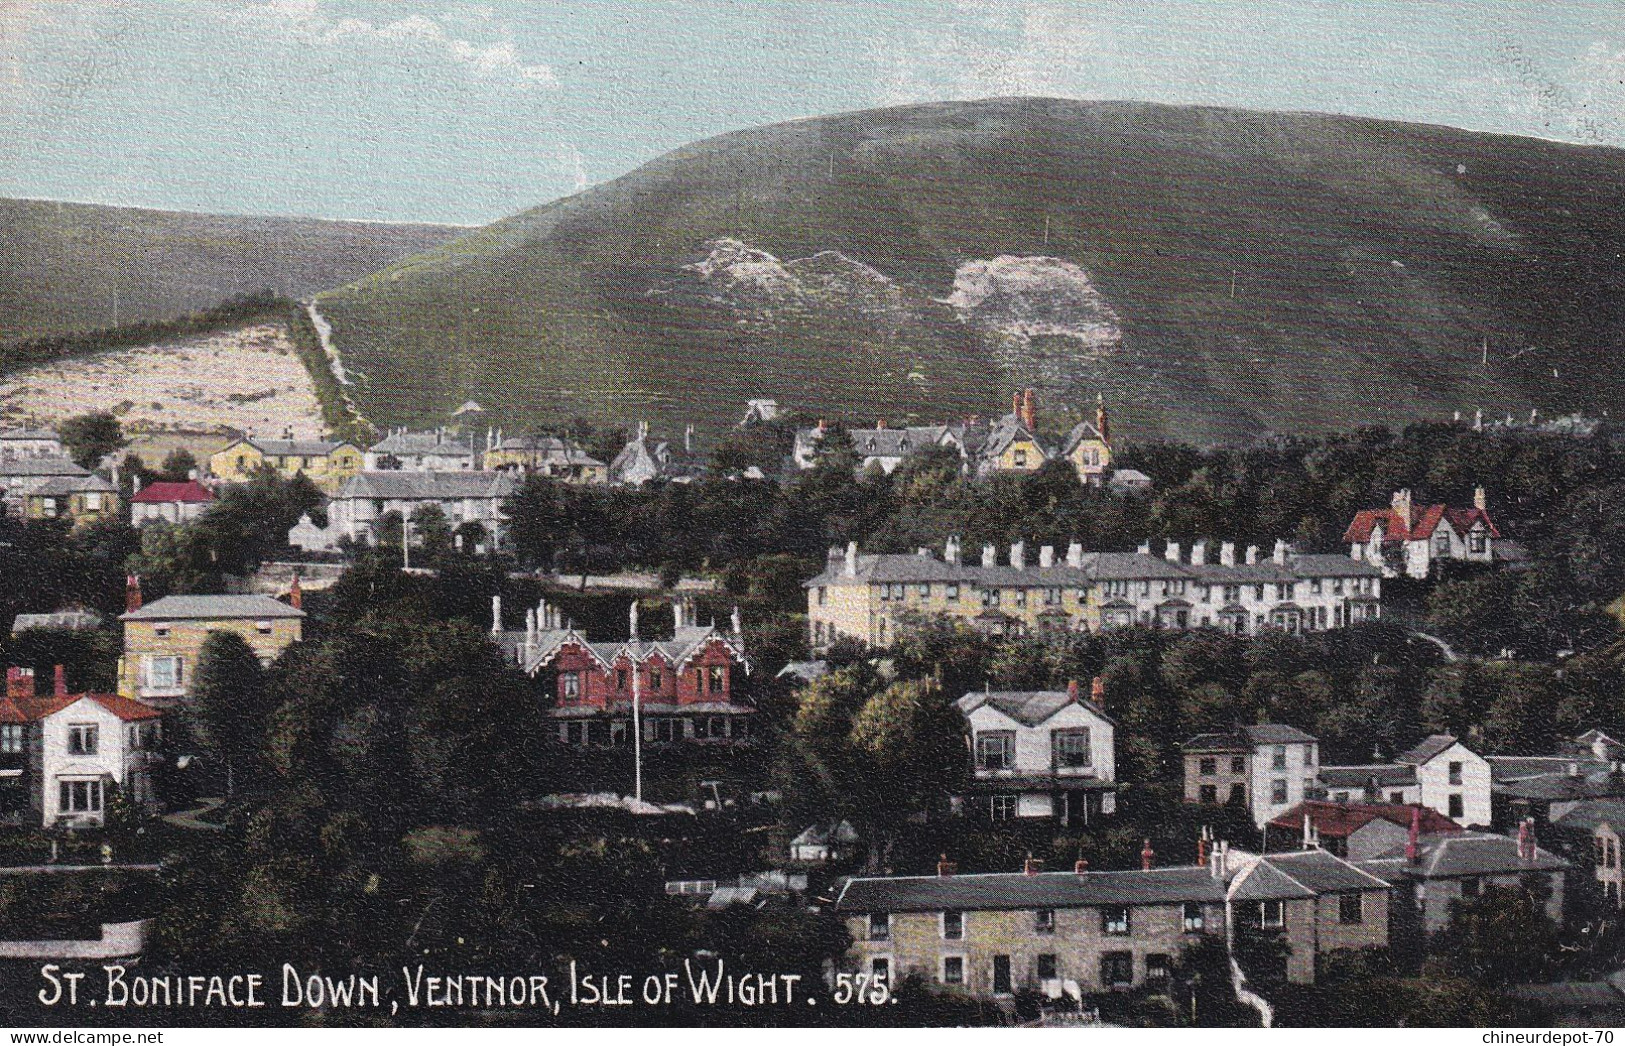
{"x": 1549, "y": 779}
{"x": 1015, "y": 891}
{"x": 1587, "y": 815}
{"x": 1450, "y": 855}
{"x": 293, "y": 448}
{"x": 820, "y": 834}
{"x": 421, "y": 443}
{"x": 1246, "y": 738}
{"x": 62, "y": 486}
{"x": 1027, "y": 707}
{"x": 1081, "y": 431}
{"x": 41, "y": 466}
{"x": 1387, "y": 775}
{"x": 1430, "y": 747}
{"x": 1096, "y": 566}
{"x": 78, "y": 620}
{"x": 427, "y": 486}
{"x": 1507, "y": 768}
{"x": 1006, "y": 431}
{"x": 176, "y": 608}
{"x": 1321, "y": 872}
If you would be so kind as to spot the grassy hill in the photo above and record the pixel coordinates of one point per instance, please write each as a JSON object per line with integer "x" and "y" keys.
{"x": 1216, "y": 273}
{"x": 62, "y": 266}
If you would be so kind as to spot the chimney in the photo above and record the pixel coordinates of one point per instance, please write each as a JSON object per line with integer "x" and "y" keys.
{"x": 632, "y": 619}
{"x": 1072, "y": 691}
{"x": 1252, "y": 555}
{"x": 19, "y": 682}
{"x": 1145, "y": 548}
{"x": 1413, "y": 851}
{"x": 990, "y": 557}
{"x": 823, "y": 427}
{"x": 1032, "y": 865}
{"x": 1029, "y": 410}
{"x": 1147, "y": 855}
{"x": 135, "y": 483}
{"x": 880, "y": 425}
{"x": 1080, "y": 866}
{"x": 132, "y": 593}
{"x": 1101, "y": 422}
{"x": 1480, "y": 502}
{"x": 1478, "y": 420}
{"x": 1199, "y": 553}
{"x": 736, "y": 624}
{"x": 1281, "y": 548}
{"x": 851, "y": 559}
{"x": 296, "y": 595}
{"x": 945, "y": 867}
{"x": 1074, "y": 555}
{"x": 191, "y": 474}
{"x": 59, "y": 685}
{"x": 1401, "y": 502}
{"x": 1097, "y": 692}
{"x": 1202, "y": 839}
{"x": 1170, "y": 552}
{"x": 1308, "y": 832}
{"x": 530, "y": 625}
{"x": 1574, "y": 769}
{"x": 496, "y": 614}
{"x": 1018, "y": 555}
{"x": 950, "y": 552}
{"x": 1046, "y": 556}
{"x": 688, "y": 440}
{"x": 1523, "y": 839}
{"x": 1227, "y": 554}
{"x": 1015, "y": 405}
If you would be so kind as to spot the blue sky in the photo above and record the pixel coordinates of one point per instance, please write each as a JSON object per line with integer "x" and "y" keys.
{"x": 466, "y": 112}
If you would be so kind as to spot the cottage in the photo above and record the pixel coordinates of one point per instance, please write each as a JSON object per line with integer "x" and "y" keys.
{"x": 822, "y": 843}
{"x": 1412, "y": 540}
{"x": 882, "y": 447}
{"x": 558, "y": 459}
{"x": 1264, "y": 769}
{"x": 1040, "y": 754}
{"x": 169, "y": 502}
{"x": 19, "y": 476}
{"x": 1431, "y": 871}
{"x": 1013, "y": 444}
{"x": 162, "y": 639}
{"x": 1547, "y": 787}
{"x": 1314, "y": 902}
{"x": 327, "y": 463}
{"x": 1592, "y": 830}
{"x": 1088, "y": 447}
{"x": 1355, "y": 831}
{"x": 62, "y": 753}
{"x": 82, "y": 499}
{"x": 643, "y": 460}
{"x": 684, "y": 686}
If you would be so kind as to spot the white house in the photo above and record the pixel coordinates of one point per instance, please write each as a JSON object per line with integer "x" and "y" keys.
{"x": 1041, "y": 753}
{"x": 30, "y": 443}
{"x": 437, "y": 451}
{"x": 821, "y": 843}
{"x": 1411, "y": 539}
{"x": 78, "y": 746}
{"x": 1451, "y": 778}
{"x": 1265, "y": 769}
{"x": 169, "y": 502}
{"x": 365, "y": 498}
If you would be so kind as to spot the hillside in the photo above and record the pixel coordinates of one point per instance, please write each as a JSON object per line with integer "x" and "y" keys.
{"x": 1216, "y": 273}
{"x": 68, "y": 267}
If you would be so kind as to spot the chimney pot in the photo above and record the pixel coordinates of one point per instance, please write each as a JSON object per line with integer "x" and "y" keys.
{"x": 1097, "y": 692}
{"x": 1480, "y": 499}
{"x": 1281, "y": 549}
{"x": 296, "y": 595}
{"x": 1046, "y": 556}
{"x": 945, "y": 867}
{"x": 60, "y": 685}
{"x": 990, "y": 556}
{"x": 1252, "y": 555}
{"x": 851, "y": 559}
{"x": 19, "y": 682}
{"x": 1072, "y": 690}
{"x": 1032, "y": 865}
{"x": 1227, "y": 554}
{"x": 1147, "y": 855}
{"x": 132, "y": 593}
{"x": 1029, "y": 410}
{"x": 1080, "y": 866}
{"x": 1171, "y": 552}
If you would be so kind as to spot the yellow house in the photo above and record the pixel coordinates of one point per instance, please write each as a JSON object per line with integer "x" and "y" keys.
{"x": 327, "y": 463}
{"x": 1013, "y": 444}
{"x": 557, "y": 458}
{"x": 163, "y": 639}
{"x": 1088, "y": 447}
{"x": 83, "y": 499}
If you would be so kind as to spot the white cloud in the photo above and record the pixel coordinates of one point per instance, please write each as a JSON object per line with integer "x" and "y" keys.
{"x": 493, "y": 61}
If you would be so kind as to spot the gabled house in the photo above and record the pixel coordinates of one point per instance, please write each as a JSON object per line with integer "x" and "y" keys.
{"x": 560, "y": 459}
{"x": 19, "y": 476}
{"x": 1355, "y": 831}
{"x": 1313, "y": 901}
{"x": 1547, "y": 787}
{"x": 1590, "y": 832}
{"x": 821, "y": 843}
{"x": 1013, "y": 444}
{"x": 1440, "y": 773}
{"x": 684, "y": 686}
{"x": 169, "y": 502}
{"x": 82, "y": 499}
{"x": 61, "y": 754}
{"x": 1412, "y": 539}
{"x": 327, "y": 463}
{"x": 1040, "y": 754}
{"x": 358, "y": 509}
{"x": 437, "y": 451}
{"x": 1088, "y": 447}
{"x": 1264, "y": 769}
{"x": 643, "y": 460}
{"x": 882, "y": 446}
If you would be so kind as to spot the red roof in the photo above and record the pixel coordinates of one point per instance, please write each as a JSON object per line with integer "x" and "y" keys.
{"x": 1341, "y": 820}
{"x": 31, "y": 709}
{"x": 163, "y": 493}
{"x": 1427, "y": 519}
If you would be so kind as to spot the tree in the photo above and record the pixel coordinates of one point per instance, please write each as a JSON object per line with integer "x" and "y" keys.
{"x": 91, "y": 437}
{"x": 228, "y": 711}
{"x": 1501, "y": 936}
{"x": 179, "y": 465}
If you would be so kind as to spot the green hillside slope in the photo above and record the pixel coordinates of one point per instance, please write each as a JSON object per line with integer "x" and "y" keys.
{"x": 1216, "y": 273}
{"x": 73, "y": 267}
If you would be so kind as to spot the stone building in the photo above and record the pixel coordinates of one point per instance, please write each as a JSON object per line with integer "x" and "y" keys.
{"x": 1264, "y": 769}
{"x": 1429, "y": 872}
{"x": 162, "y": 639}
{"x": 327, "y": 463}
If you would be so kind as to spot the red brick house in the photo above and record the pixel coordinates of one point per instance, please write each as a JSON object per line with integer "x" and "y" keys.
{"x": 685, "y": 685}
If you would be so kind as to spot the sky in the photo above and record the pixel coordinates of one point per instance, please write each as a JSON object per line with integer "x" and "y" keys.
{"x": 464, "y": 112}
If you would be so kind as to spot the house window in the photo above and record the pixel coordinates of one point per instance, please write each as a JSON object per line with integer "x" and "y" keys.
{"x": 716, "y": 678}
{"x": 823, "y": 595}
{"x": 1052, "y": 597}
{"x": 1208, "y": 793}
{"x": 79, "y": 797}
{"x": 570, "y": 686}
{"x": 1046, "y": 967}
{"x": 953, "y": 969}
{"x": 667, "y": 730}
{"x": 1470, "y": 886}
{"x": 1156, "y": 967}
{"x": 880, "y": 968}
{"x": 1351, "y": 908}
{"x": 656, "y": 679}
{"x": 1114, "y": 920}
{"x": 1116, "y": 969}
{"x": 1003, "y": 807}
{"x": 1238, "y": 794}
{"x": 953, "y": 926}
{"x": 165, "y": 673}
{"x": 1455, "y": 773}
{"x": 1278, "y": 757}
{"x": 990, "y": 597}
{"x": 1210, "y": 766}
{"x": 1021, "y": 597}
{"x": 702, "y": 727}
{"x": 1272, "y": 914}
{"x": 620, "y": 679}
{"x": 995, "y": 751}
{"x": 880, "y": 926}
{"x": 1195, "y": 920}
{"x": 82, "y": 739}
{"x": 1278, "y": 791}
{"x": 1477, "y": 542}
{"x": 1044, "y": 920}
{"x": 1238, "y": 764}
{"x": 1396, "y": 797}
{"x": 575, "y": 733}
{"x": 11, "y": 738}
{"x": 1072, "y": 748}
{"x": 924, "y": 590}
{"x": 952, "y": 594}
{"x": 1457, "y": 811}
{"x": 1020, "y": 458}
